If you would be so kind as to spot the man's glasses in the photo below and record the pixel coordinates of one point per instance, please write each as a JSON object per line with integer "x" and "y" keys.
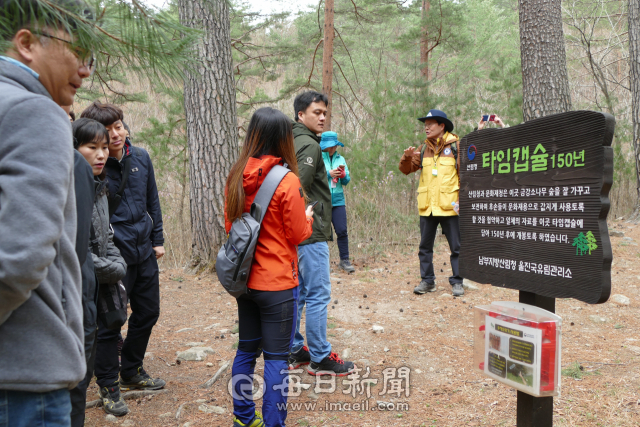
{"x": 85, "y": 57}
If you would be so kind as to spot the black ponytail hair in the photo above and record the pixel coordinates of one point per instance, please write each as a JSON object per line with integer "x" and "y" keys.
{"x": 86, "y": 131}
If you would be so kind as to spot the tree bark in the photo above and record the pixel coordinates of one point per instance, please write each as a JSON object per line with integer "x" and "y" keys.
{"x": 634, "y": 76}
{"x": 210, "y": 107}
{"x": 545, "y": 82}
{"x": 424, "y": 43}
{"x": 327, "y": 58}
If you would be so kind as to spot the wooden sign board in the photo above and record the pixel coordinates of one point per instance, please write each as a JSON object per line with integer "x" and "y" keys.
{"x": 533, "y": 206}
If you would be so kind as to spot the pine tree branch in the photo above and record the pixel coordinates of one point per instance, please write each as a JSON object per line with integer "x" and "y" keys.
{"x": 313, "y": 62}
{"x": 348, "y": 104}
{"x": 348, "y": 53}
{"x": 319, "y": 26}
{"x": 144, "y": 13}
{"x": 348, "y": 84}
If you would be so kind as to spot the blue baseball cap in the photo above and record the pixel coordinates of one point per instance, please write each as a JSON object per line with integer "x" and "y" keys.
{"x": 329, "y": 139}
{"x": 440, "y": 117}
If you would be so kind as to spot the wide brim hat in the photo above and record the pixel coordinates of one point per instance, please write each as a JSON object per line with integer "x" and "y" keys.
{"x": 440, "y": 117}
{"x": 329, "y": 139}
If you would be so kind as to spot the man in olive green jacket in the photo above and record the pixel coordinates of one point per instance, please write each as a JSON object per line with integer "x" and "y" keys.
{"x": 313, "y": 254}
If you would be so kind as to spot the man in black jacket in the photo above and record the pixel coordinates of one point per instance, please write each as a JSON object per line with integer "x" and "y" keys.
{"x": 137, "y": 223}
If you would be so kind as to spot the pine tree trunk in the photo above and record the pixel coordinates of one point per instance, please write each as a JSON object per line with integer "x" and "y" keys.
{"x": 634, "y": 76}
{"x": 545, "y": 82}
{"x": 327, "y": 58}
{"x": 210, "y": 107}
{"x": 424, "y": 43}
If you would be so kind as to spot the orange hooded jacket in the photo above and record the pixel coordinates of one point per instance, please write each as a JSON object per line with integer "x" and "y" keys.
{"x": 285, "y": 225}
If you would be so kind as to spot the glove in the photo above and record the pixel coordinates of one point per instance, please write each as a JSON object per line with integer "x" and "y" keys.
{"x": 456, "y": 207}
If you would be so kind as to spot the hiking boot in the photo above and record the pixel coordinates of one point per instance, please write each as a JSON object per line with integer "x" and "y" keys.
{"x": 331, "y": 365}
{"x": 424, "y": 287}
{"x": 299, "y": 358}
{"x": 112, "y": 401}
{"x": 141, "y": 381}
{"x": 457, "y": 290}
{"x": 346, "y": 266}
{"x": 256, "y": 422}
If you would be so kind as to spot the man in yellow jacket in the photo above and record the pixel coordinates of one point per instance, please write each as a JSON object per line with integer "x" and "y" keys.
{"x": 438, "y": 163}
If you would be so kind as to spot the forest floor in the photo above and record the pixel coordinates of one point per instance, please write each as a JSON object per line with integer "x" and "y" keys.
{"x": 430, "y": 334}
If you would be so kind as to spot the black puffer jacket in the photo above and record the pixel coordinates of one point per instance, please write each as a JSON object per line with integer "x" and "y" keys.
{"x": 109, "y": 264}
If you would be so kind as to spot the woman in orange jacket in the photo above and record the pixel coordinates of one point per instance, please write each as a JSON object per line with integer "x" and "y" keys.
{"x": 267, "y": 313}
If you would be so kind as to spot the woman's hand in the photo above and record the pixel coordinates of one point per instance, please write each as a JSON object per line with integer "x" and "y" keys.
{"x": 309, "y": 212}
{"x": 335, "y": 173}
{"x": 481, "y": 123}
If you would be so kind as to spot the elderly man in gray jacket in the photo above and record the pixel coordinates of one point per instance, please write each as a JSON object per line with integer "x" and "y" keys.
{"x": 41, "y": 332}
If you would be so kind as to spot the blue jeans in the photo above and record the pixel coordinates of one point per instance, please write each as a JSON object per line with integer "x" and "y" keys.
{"x": 315, "y": 292}
{"x": 28, "y": 409}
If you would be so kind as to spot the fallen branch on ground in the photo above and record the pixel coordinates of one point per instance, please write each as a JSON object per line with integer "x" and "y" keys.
{"x": 169, "y": 365}
{"x": 180, "y": 409}
{"x": 217, "y": 375}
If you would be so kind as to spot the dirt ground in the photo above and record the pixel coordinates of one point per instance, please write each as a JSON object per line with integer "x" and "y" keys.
{"x": 430, "y": 334}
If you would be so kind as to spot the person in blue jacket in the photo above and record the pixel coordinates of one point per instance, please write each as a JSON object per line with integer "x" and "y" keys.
{"x": 338, "y": 176}
{"x": 137, "y": 224}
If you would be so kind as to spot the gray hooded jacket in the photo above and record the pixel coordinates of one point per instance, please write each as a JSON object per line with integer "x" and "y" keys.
{"x": 41, "y": 334}
{"x": 109, "y": 264}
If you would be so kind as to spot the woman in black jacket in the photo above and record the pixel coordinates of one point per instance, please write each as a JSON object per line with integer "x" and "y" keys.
{"x": 91, "y": 139}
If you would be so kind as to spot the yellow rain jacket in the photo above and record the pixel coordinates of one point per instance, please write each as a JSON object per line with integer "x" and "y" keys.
{"x": 439, "y": 179}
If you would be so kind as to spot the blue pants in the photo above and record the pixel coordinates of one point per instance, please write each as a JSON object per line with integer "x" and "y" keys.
{"x": 27, "y": 409}
{"x": 339, "y": 221}
{"x": 315, "y": 292}
{"x": 267, "y": 322}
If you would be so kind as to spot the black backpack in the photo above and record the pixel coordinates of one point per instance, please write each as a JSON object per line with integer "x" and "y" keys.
{"x": 235, "y": 257}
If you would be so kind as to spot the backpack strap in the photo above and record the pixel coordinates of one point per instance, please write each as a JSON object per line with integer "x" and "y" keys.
{"x": 93, "y": 243}
{"x": 424, "y": 146}
{"x": 265, "y": 193}
{"x": 454, "y": 149}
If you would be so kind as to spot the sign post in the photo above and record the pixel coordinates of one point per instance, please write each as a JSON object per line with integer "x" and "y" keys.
{"x": 535, "y": 411}
{"x": 533, "y": 209}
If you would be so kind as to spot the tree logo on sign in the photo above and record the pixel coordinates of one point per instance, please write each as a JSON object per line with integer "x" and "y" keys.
{"x": 592, "y": 241}
{"x": 585, "y": 243}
